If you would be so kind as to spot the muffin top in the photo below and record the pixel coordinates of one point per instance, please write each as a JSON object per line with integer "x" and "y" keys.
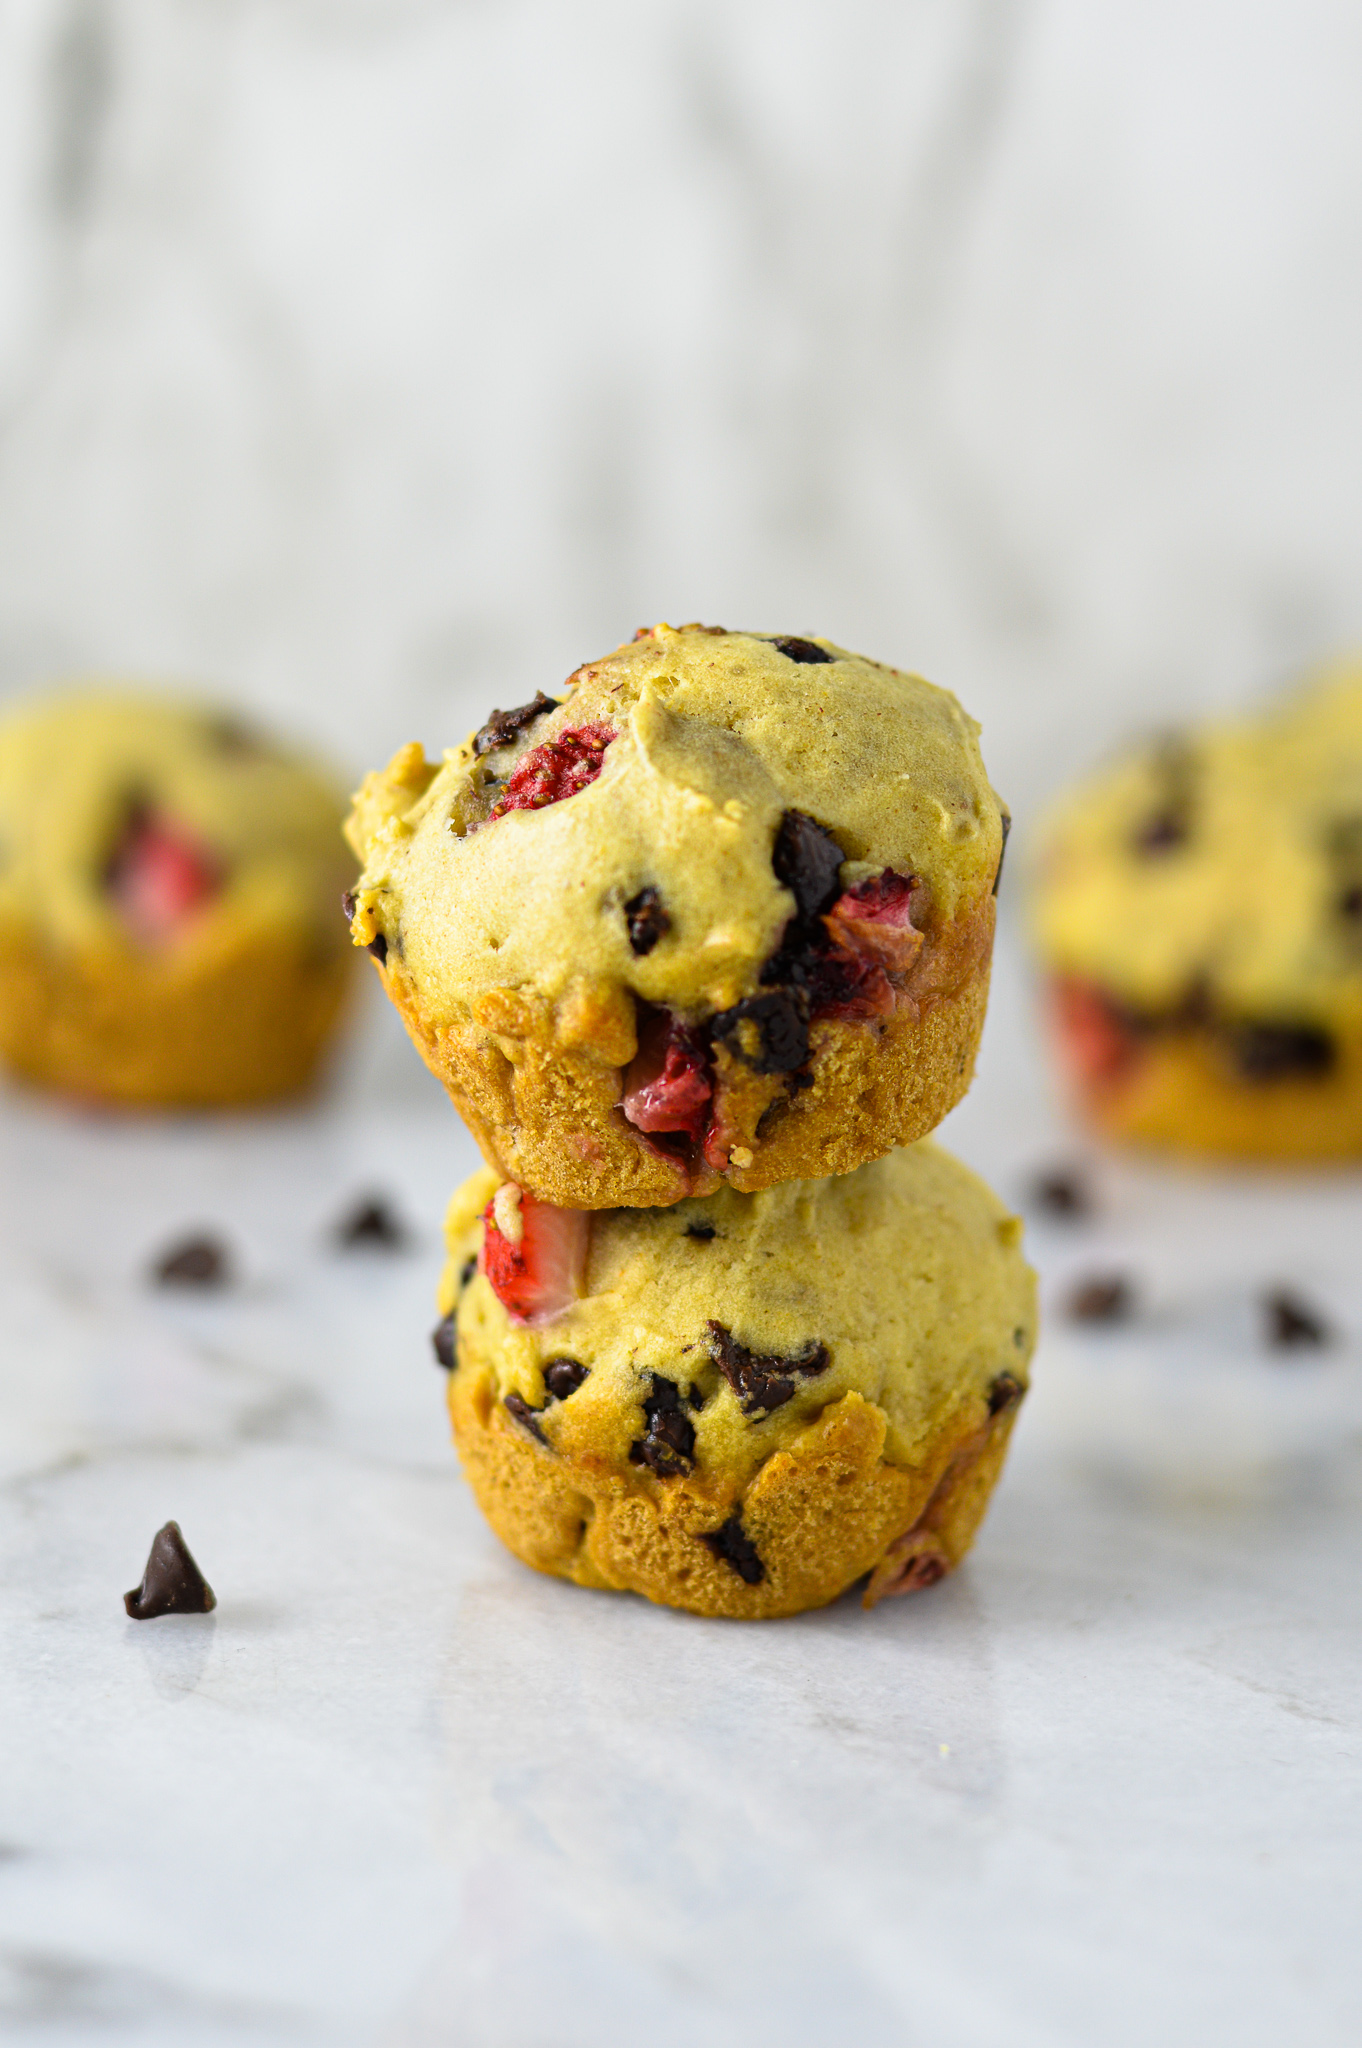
{"x": 1218, "y": 867}
{"x": 129, "y": 820}
{"x": 714, "y": 1331}
{"x": 627, "y": 830}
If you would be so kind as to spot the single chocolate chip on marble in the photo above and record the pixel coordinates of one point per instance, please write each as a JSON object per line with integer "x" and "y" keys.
{"x": 503, "y": 726}
{"x": 1281, "y": 1052}
{"x": 1005, "y": 1392}
{"x": 1002, "y": 851}
{"x": 371, "y": 1222}
{"x": 378, "y": 947}
{"x": 518, "y": 1407}
{"x": 1291, "y": 1324}
{"x": 1106, "y": 1299}
{"x": 442, "y": 1341}
{"x": 193, "y": 1262}
{"x": 795, "y": 649}
{"x": 731, "y": 1542}
{"x": 807, "y": 859}
{"x": 646, "y": 921}
{"x": 760, "y": 1382}
{"x": 1062, "y": 1193}
{"x": 768, "y": 1033}
{"x": 563, "y": 1376}
{"x": 702, "y": 1232}
{"x": 172, "y": 1583}
{"x": 668, "y": 1445}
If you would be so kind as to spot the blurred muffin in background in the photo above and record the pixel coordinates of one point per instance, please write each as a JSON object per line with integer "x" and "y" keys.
{"x": 170, "y": 880}
{"x": 1198, "y": 907}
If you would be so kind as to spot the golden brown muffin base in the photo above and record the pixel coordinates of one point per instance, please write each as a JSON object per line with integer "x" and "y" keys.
{"x": 539, "y": 1086}
{"x": 823, "y": 1513}
{"x": 217, "y": 1025}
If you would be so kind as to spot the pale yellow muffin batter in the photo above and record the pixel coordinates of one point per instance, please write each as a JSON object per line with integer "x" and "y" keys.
{"x": 1199, "y": 907}
{"x": 746, "y": 1402}
{"x": 170, "y": 883}
{"x": 744, "y": 883}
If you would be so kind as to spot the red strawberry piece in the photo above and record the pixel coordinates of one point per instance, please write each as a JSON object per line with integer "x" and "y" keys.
{"x": 1095, "y": 1040}
{"x": 540, "y": 1275}
{"x": 874, "y": 919}
{"x": 159, "y": 876}
{"x": 558, "y": 769}
{"x": 668, "y": 1085}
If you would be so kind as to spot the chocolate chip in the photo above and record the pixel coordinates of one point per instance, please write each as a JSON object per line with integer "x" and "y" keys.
{"x": 194, "y": 1262}
{"x": 503, "y": 726}
{"x": 372, "y": 1222}
{"x": 776, "y": 1040}
{"x": 646, "y": 920}
{"x": 668, "y": 1446}
{"x": 762, "y": 1383}
{"x": 467, "y": 1270}
{"x": 1290, "y": 1323}
{"x": 1002, "y": 851}
{"x": 172, "y": 1583}
{"x": 348, "y": 905}
{"x": 1005, "y": 1392}
{"x": 518, "y": 1407}
{"x": 1062, "y": 1193}
{"x": 1349, "y": 904}
{"x": 1278, "y": 1052}
{"x": 563, "y": 1376}
{"x": 695, "y": 1397}
{"x": 1161, "y": 833}
{"x": 1169, "y": 825}
{"x": 702, "y": 1232}
{"x": 731, "y": 1542}
{"x": 442, "y": 1340}
{"x": 378, "y": 946}
{"x": 1104, "y": 1300}
{"x": 807, "y": 861}
{"x": 795, "y": 649}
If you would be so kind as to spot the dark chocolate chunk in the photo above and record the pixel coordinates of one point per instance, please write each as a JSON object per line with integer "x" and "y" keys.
{"x": 701, "y": 1231}
{"x": 668, "y": 1446}
{"x": 776, "y": 1037}
{"x": 518, "y": 1407}
{"x": 563, "y": 1376}
{"x": 1280, "y": 1052}
{"x": 1107, "y": 1299}
{"x": 172, "y": 1583}
{"x": 378, "y": 946}
{"x": 1002, "y": 851}
{"x": 1062, "y": 1193}
{"x": 1291, "y": 1323}
{"x": 1004, "y": 1393}
{"x": 467, "y": 1270}
{"x": 503, "y": 726}
{"x": 348, "y": 904}
{"x": 194, "y": 1262}
{"x": 442, "y": 1340}
{"x": 372, "y": 1222}
{"x": 695, "y": 1397}
{"x": 762, "y": 1383}
{"x": 807, "y": 860}
{"x": 795, "y": 649}
{"x": 731, "y": 1542}
{"x": 646, "y": 920}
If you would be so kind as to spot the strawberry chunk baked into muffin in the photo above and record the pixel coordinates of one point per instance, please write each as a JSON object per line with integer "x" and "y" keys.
{"x": 723, "y": 912}
{"x": 1199, "y": 909}
{"x": 741, "y": 1404}
{"x": 168, "y": 882}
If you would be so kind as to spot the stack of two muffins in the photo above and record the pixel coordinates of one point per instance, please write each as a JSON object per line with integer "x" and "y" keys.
{"x": 700, "y": 951}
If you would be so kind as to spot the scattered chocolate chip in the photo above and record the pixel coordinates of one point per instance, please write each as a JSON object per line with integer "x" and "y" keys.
{"x": 1161, "y": 833}
{"x": 503, "y": 726}
{"x": 1278, "y": 1052}
{"x": 668, "y": 1447}
{"x": 378, "y": 946}
{"x": 442, "y": 1340}
{"x": 194, "y": 1262}
{"x": 172, "y": 1583}
{"x": 776, "y": 1037}
{"x": 1291, "y": 1323}
{"x": 695, "y": 1397}
{"x": 518, "y": 1407}
{"x": 1062, "y": 1193}
{"x": 646, "y": 920}
{"x": 795, "y": 649}
{"x": 1002, "y": 851}
{"x": 731, "y": 1542}
{"x": 348, "y": 905}
{"x": 563, "y": 1376}
{"x": 807, "y": 861}
{"x": 703, "y": 1232}
{"x": 372, "y": 1222}
{"x": 467, "y": 1270}
{"x": 763, "y": 1383}
{"x": 1104, "y": 1300}
{"x": 1004, "y": 1393}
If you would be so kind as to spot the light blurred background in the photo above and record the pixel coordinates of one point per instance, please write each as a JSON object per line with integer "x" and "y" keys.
{"x": 377, "y": 360}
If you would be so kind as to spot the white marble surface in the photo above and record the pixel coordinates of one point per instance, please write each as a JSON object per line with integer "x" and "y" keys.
{"x": 1102, "y": 1785}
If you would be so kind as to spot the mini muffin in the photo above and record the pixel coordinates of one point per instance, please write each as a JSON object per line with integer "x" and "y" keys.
{"x": 743, "y": 1403}
{"x": 169, "y": 883}
{"x": 1199, "y": 909}
{"x": 722, "y": 912}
